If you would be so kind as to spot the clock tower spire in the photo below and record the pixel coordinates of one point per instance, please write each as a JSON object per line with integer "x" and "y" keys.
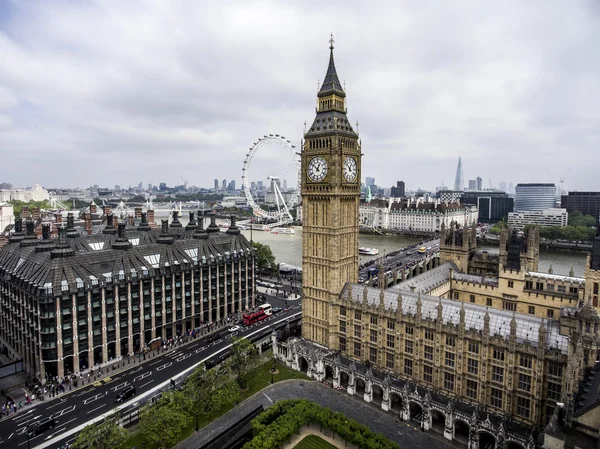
{"x": 331, "y": 158}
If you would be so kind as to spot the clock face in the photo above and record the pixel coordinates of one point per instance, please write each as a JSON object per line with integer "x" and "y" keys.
{"x": 350, "y": 169}
{"x": 317, "y": 169}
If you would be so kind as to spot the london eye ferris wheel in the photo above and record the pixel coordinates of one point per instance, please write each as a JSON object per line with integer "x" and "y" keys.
{"x": 271, "y": 178}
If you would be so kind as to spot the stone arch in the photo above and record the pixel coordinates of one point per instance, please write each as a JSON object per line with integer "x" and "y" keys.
{"x": 395, "y": 402}
{"x": 360, "y": 386}
{"x": 377, "y": 393}
{"x": 486, "y": 440}
{"x": 329, "y": 372}
{"x": 438, "y": 421}
{"x": 344, "y": 379}
{"x": 416, "y": 411}
{"x": 461, "y": 431}
{"x": 514, "y": 445}
{"x": 303, "y": 364}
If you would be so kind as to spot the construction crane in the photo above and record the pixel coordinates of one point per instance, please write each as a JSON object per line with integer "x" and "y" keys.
{"x": 185, "y": 183}
{"x": 562, "y": 181}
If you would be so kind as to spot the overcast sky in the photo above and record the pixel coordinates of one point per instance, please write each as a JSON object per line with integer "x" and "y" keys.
{"x": 118, "y": 92}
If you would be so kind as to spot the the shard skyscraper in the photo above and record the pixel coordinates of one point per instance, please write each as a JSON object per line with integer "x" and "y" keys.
{"x": 459, "y": 181}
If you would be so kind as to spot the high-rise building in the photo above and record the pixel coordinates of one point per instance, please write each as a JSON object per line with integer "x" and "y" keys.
{"x": 331, "y": 258}
{"x": 260, "y": 185}
{"x": 588, "y": 203}
{"x": 472, "y": 184}
{"x": 231, "y": 185}
{"x": 511, "y": 188}
{"x": 459, "y": 182}
{"x": 535, "y": 196}
{"x": 216, "y": 185}
{"x": 479, "y": 183}
{"x": 141, "y": 186}
{"x": 285, "y": 184}
{"x": 369, "y": 181}
{"x": 224, "y": 184}
{"x": 493, "y": 205}
{"x": 399, "y": 190}
{"x": 502, "y": 186}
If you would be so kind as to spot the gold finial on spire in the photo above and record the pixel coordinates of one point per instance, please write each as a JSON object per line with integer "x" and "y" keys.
{"x": 331, "y": 42}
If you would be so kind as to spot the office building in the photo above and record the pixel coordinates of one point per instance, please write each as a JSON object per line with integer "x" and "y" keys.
{"x": 588, "y": 203}
{"x": 231, "y": 185}
{"x": 216, "y": 185}
{"x": 369, "y": 181}
{"x": 78, "y": 301}
{"x": 479, "y": 183}
{"x": 224, "y": 184}
{"x": 535, "y": 196}
{"x": 472, "y": 184}
{"x": 399, "y": 190}
{"x": 492, "y": 205}
{"x": 459, "y": 180}
{"x": 547, "y": 217}
{"x": 449, "y": 196}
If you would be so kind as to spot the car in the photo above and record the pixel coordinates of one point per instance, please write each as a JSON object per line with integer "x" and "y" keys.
{"x": 40, "y": 426}
{"x": 234, "y": 328}
{"x": 277, "y": 309}
{"x": 126, "y": 393}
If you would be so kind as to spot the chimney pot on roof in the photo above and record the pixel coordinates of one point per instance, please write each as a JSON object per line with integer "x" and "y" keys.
{"x": 46, "y": 231}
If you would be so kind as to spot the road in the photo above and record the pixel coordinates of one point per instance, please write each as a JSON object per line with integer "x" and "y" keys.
{"x": 400, "y": 259}
{"x": 72, "y": 411}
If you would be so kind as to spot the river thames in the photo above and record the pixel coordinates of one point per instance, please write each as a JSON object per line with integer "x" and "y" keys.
{"x": 287, "y": 248}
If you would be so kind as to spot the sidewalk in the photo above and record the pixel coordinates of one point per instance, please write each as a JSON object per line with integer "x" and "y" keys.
{"x": 14, "y": 385}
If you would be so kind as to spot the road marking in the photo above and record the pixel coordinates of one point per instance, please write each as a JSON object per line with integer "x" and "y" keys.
{"x": 65, "y": 411}
{"x": 97, "y": 383}
{"x": 175, "y": 354}
{"x": 24, "y": 415}
{"x": 55, "y": 405}
{"x": 166, "y": 365}
{"x": 158, "y": 361}
{"x": 120, "y": 386}
{"x": 270, "y": 400}
{"x": 97, "y": 408}
{"x": 200, "y": 349}
{"x": 143, "y": 376}
{"x": 74, "y": 419}
{"x": 192, "y": 347}
{"x": 10, "y": 436}
{"x": 183, "y": 357}
{"x": 52, "y": 434}
{"x": 147, "y": 383}
{"x": 107, "y": 380}
{"x": 94, "y": 398}
{"x": 28, "y": 420}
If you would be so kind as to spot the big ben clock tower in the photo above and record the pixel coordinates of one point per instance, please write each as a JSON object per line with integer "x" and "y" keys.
{"x": 330, "y": 200}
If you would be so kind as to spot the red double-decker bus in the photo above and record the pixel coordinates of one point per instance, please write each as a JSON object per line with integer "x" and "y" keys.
{"x": 251, "y": 318}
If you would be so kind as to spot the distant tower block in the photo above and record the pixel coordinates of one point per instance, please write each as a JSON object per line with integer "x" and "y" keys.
{"x": 459, "y": 181}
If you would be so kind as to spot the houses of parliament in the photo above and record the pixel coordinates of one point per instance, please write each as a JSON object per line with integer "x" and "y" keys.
{"x": 483, "y": 349}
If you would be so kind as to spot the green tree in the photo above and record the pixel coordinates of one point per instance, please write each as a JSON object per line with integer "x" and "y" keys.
{"x": 209, "y": 390}
{"x": 106, "y": 435}
{"x": 265, "y": 257}
{"x": 242, "y": 359}
{"x": 18, "y": 206}
{"x": 163, "y": 424}
{"x": 497, "y": 228}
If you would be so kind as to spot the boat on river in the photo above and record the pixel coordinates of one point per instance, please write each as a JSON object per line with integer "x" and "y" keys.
{"x": 368, "y": 251}
{"x": 283, "y": 231}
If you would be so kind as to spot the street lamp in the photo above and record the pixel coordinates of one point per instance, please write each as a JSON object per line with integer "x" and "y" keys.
{"x": 196, "y": 421}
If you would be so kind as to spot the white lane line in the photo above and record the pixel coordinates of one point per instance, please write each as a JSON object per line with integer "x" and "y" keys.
{"x": 183, "y": 357}
{"x": 166, "y": 365}
{"x": 148, "y": 393}
{"x": 147, "y": 383}
{"x": 10, "y": 436}
{"x": 158, "y": 361}
{"x": 120, "y": 386}
{"x": 143, "y": 376}
{"x": 65, "y": 411}
{"x": 74, "y": 419}
{"x": 97, "y": 408}
{"x": 23, "y": 416}
{"x": 52, "y": 434}
{"x": 52, "y": 406}
{"x": 270, "y": 400}
{"x": 28, "y": 420}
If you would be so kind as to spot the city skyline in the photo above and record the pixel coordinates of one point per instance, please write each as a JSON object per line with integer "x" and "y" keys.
{"x": 184, "y": 92}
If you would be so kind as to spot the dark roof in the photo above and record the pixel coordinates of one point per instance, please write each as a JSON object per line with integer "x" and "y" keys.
{"x": 331, "y": 122}
{"x": 588, "y": 396}
{"x": 331, "y": 83}
{"x": 86, "y": 261}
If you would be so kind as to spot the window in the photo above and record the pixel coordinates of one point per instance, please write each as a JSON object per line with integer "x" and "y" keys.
{"x": 554, "y": 391}
{"x": 408, "y": 346}
{"x": 408, "y": 367}
{"x": 374, "y": 320}
{"x": 449, "y": 381}
{"x": 523, "y": 405}
{"x": 472, "y": 298}
{"x": 595, "y": 288}
{"x": 474, "y": 347}
{"x": 529, "y": 285}
{"x": 428, "y": 352}
{"x": 391, "y": 325}
{"x": 390, "y": 341}
{"x": 511, "y": 284}
{"x": 342, "y": 311}
{"x": 550, "y": 287}
{"x": 555, "y": 369}
{"x": 473, "y": 366}
{"x": 357, "y": 330}
{"x": 342, "y": 326}
{"x": 471, "y": 389}
{"x": 539, "y": 286}
{"x": 343, "y": 344}
{"x": 429, "y": 335}
{"x": 450, "y": 358}
{"x": 509, "y": 305}
{"x": 496, "y": 397}
{"x": 373, "y": 355}
{"x": 428, "y": 373}
{"x": 573, "y": 290}
{"x": 488, "y": 302}
{"x": 498, "y": 354}
{"x": 561, "y": 289}
{"x": 497, "y": 373}
{"x": 357, "y": 351}
{"x": 389, "y": 360}
{"x": 450, "y": 341}
{"x": 531, "y": 310}
{"x": 524, "y": 382}
{"x": 357, "y": 315}
{"x": 525, "y": 361}
{"x": 409, "y": 330}
{"x": 550, "y": 313}
{"x": 456, "y": 295}
{"x": 373, "y": 336}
